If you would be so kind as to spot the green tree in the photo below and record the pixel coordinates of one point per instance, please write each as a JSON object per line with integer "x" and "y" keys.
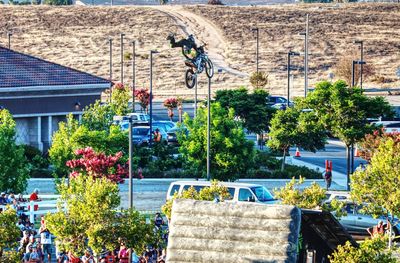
{"x": 376, "y": 187}
{"x": 14, "y": 170}
{"x": 98, "y": 116}
{"x": 292, "y": 127}
{"x": 58, "y": 2}
{"x": 119, "y": 100}
{"x": 72, "y": 136}
{"x": 9, "y": 234}
{"x": 371, "y": 250}
{"x": 230, "y": 153}
{"x": 252, "y": 109}
{"x": 343, "y": 111}
{"x": 89, "y": 216}
{"x": 63, "y": 146}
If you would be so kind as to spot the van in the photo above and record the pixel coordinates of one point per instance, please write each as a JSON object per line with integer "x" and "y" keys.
{"x": 240, "y": 192}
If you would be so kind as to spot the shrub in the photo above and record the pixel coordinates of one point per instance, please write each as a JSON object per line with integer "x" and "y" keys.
{"x": 343, "y": 68}
{"x": 259, "y": 79}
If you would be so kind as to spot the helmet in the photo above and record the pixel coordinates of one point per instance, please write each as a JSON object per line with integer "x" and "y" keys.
{"x": 191, "y": 38}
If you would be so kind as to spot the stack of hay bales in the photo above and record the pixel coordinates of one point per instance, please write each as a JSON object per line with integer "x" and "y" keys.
{"x": 202, "y": 231}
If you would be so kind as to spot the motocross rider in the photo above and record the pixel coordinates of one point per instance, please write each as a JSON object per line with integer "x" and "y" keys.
{"x": 189, "y": 47}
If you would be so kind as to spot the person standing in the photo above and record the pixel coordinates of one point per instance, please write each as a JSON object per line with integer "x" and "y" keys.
{"x": 328, "y": 179}
{"x": 45, "y": 237}
{"x": 377, "y": 230}
{"x": 123, "y": 254}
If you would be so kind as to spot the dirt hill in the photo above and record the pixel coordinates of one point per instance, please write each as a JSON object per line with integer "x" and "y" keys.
{"x": 78, "y": 37}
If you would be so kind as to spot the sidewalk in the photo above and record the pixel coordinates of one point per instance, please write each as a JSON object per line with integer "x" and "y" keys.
{"x": 338, "y": 178}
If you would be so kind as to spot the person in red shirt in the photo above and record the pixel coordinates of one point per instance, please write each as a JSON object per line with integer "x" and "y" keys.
{"x": 34, "y": 196}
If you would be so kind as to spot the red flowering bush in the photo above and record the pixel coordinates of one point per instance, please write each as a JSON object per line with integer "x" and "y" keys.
{"x": 370, "y": 144}
{"x": 118, "y": 86}
{"x": 171, "y": 103}
{"x": 143, "y": 96}
{"x": 98, "y": 165}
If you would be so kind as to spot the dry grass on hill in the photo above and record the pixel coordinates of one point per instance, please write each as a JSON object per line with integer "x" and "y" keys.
{"x": 78, "y": 37}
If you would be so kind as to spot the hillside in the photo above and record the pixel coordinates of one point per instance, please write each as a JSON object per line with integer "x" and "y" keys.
{"x": 78, "y": 37}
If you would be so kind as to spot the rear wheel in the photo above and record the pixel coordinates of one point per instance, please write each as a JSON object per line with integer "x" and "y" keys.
{"x": 209, "y": 68}
{"x": 190, "y": 78}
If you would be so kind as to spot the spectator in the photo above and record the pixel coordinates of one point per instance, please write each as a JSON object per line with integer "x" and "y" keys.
{"x": 34, "y": 256}
{"x": 158, "y": 220}
{"x": 72, "y": 258}
{"x": 11, "y": 198}
{"x": 24, "y": 241}
{"x": 21, "y": 199}
{"x": 27, "y": 255}
{"x": 3, "y": 200}
{"x": 87, "y": 258}
{"x": 35, "y": 196}
{"x": 45, "y": 237}
{"x": 110, "y": 258}
{"x": 123, "y": 254}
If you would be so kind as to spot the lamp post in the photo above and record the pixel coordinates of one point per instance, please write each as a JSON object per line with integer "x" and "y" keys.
{"x": 290, "y": 53}
{"x": 305, "y": 34}
{"x": 257, "y": 45}
{"x": 195, "y": 99}
{"x": 110, "y": 44}
{"x": 361, "y": 43}
{"x": 122, "y": 58}
{"x": 130, "y": 164}
{"x": 355, "y": 62}
{"x": 208, "y": 129}
{"x": 151, "y": 95}
{"x": 133, "y": 75}
{"x": 9, "y": 39}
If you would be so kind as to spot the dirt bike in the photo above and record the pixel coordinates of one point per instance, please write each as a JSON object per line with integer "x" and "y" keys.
{"x": 201, "y": 63}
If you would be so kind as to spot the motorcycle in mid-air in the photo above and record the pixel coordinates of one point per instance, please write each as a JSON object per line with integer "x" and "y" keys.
{"x": 202, "y": 62}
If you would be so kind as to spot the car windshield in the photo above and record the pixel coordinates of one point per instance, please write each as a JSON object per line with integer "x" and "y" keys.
{"x": 140, "y": 131}
{"x": 262, "y": 194}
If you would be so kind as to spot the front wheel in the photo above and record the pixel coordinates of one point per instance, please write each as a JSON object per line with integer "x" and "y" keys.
{"x": 190, "y": 78}
{"x": 209, "y": 68}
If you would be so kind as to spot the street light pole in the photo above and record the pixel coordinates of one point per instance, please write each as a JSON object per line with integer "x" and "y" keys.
{"x": 195, "y": 99}
{"x": 110, "y": 43}
{"x": 361, "y": 43}
{"x": 133, "y": 75}
{"x": 9, "y": 39}
{"x": 208, "y": 128}
{"x": 130, "y": 164}
{"x": 257, "y": 45}
{"x": 122, "y": 58}
{"x": 151, "y": 95}
{"x": 306, "y": 58}
{"x": 290, "y": 53}
{"x": 355, "y": 62}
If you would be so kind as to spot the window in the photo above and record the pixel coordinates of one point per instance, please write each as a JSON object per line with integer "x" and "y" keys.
{"x": 245, "y": 195}
{"x": 175, "y": 189}
{"x": 231, "y": 192}
{"x": 349, "y": 208}
{"x": 263, "y": 195}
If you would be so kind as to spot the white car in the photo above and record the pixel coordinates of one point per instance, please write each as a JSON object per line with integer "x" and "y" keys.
{"x": 389, "y": 126}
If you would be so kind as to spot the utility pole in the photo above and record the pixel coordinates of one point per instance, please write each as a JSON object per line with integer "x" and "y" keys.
{"x": 110, "y": 43}
{"x": 257, "y": 45}
{"x": 122, "y": 58}
{"x": 9, "y": 39}
{"x": 290, "y": 53}
{"x": 133, "y": 75}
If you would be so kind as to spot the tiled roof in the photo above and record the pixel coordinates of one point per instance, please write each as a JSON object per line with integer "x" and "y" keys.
{"x": 21, "y": 70}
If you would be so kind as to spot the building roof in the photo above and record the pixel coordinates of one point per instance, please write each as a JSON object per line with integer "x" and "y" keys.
{"x": 21, "y": 70}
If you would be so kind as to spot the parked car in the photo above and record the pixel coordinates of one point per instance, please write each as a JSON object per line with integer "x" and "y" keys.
{"x": 165, "y": 125}
{"x": 279, "y": 102}
{"x": 240, "y": 192}
{"x": 172, "y": 137}
{"x": 141, "y": 135}
{"x": 388, "y": 126}
{"x": 357, "y": 221}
